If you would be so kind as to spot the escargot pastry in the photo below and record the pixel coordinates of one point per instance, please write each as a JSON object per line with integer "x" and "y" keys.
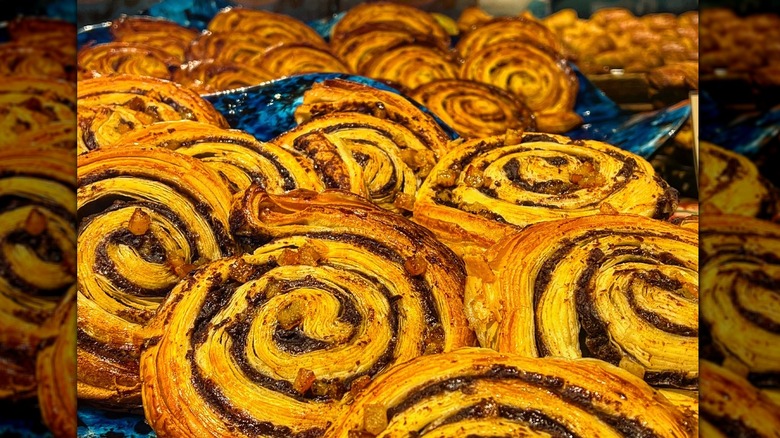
{"x": 29, "y": 105}
{"x": 508, "y": 29}
{"x": 274, "y": 343}
{"x": 37, "y": 255}
{"x": 739, "y": 276}
{"x": 211, "y": 76}
{"x": 126, "y": 58}
{"x": 474, "y": 109}
{"x": 358, "y": 47}
{"x": 485, "y": 188}
{"x": 110, "y": 107}
{"x": 731, "y": 184}
{"x": 165, "y": 35}
{"x": 620, "y": 288}
{"x": 731, "y": 406}
{"x": 542, "y": 78}
{"x": 56, "y": 370}
{"x": 147, "y": 217}
{"x": 412, "y": 65}
{"x": 479, "y": 392}
{"x": 265, "y": 27}
{"x": 391, "y": 160}
{"x": 287, "y": 59}
{"x": 30, "y": 61}
{"x": 236, "y": 156}
{"x": 226, "y": 47}
{"x": 338, "y": 95}
{"x": 383, "y": 13}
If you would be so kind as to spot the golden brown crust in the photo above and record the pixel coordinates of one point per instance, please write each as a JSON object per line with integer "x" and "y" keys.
{"x": 29, "y": 105}
{"x": 165, "y": 35}
{"x": 212, "y": 76}
{"x": 408, "y": 18}
{"x": 470, "y": 391}
{"x": 30, "y": 61}
{"x": 413, "y": 65}
{"x": 287, "y": 59}
{"x": 471, "y": 18}
{"x": 149, "y": 216}
{"x": 619, "y": 288}
{"x": 124, "y": 58}
{"x": 278, "y": 339}
{"x": 508, "y": 29}
{"x": 475, "y": 109}
{"x": 266, "y": 28}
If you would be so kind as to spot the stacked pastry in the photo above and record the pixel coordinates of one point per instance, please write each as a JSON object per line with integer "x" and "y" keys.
{"x": 37, "y": 220}
{"x": 363, "y": 275}
{"x": 740, "y": 238}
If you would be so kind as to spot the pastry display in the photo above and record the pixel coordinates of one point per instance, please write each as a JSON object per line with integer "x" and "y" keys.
{"x": 737, "y": 44}
{"x": 413, "y": 65}
{"x": 287, "y": 59}
{"x": 211, "y": 76}
{"x": 730, "y": 184}
{"x": 28, "y": 106}
{"x": 502, "y": 30}
{"x": 149, "y": 216}
{"x": 475, "y": 109}
{"x": 620, "y": 288}
{"x": 485, "y": 189}
{"x": 264, "y": 27}
{"x": 542, "y": 78}
{"x": 124, "y": 58}
{"x": 471, "y": 391}
{"x": 161, "y": 34}
{"x": 274, "y": 342}
{"x": 110, "y": 107}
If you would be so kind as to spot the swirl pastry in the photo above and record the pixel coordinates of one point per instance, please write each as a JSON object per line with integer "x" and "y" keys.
{"x": 236, "y": 156}
{"x": 30, "y": 61}
{"x": 474, "y": 109}
{"x": 483, "y": 189}
{"x": 337, "y": 95}
{"x": 472, "y": 391}
{"x": 508, "y": 29}
{"x": 211, "y": 76}
{"x": 124, "y": 58}
{"x": 54, "y": 36}
{"x": 56, "y": 370}
{"x": 739, "y": 276}
{"x": 471, "y": 18}
{"x": 383, "y": 13}
{"x": 275, "y": 342}
{"x": 731, "y": 406}
{"x": 148, "y": 216}
{"x": 390, "y": 159}
{"x": 225, "y": 47}
{"x": 37, "y": 255}
{"x": 413, "y": 65}
{"x": 287, "y": 59}
{"x": 361, "y": 45}
{"x": 544, "y": 80}
{"x": 165, "y": 35}
{"x": 110, "y": 107}
{"x": 266, "y": 28}
{"x": 29, "y": 105}
{"x": 729, "y": 183}
{"x": 620, "y": 288}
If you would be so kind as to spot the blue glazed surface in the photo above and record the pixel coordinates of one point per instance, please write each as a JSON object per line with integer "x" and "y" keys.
{"x": 745, "y": 133}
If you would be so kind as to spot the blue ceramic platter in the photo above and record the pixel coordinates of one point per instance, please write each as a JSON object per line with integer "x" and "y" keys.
{"x": 745, "y": 133}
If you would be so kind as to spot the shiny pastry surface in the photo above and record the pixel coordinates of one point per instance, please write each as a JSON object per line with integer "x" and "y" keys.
{"x": 620, "y": 288}
{"x": 287, "y": 59}
{"x": 505, "y": 30}
{"x": 413, "y": 65}
{"x": 30, "y": 105}
{"x": 161, "y": 34}
{"x": 211, "y": 76}
{"x": 276, "y": 341}
{"x": 397, "y": 15}
{"x": 124, "y": 58}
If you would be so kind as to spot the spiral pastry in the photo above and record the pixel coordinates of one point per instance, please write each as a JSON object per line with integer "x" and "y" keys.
{"x": 275, "y": 342}
{"x": 111, "y": 107}
{"x": 474, "y": 109}
{"x": 731, "y": 406}
{"x": 237, "y": 157}
{"x": 382, "y": 13}
{"x": 739, "y": 275}
{"x": 211, "y": 76}
{"x": 29, "y": 105}
{"x": 148, "y": 216}
{"x": 620, "y": 288}
{"x": 337, "y": 95}
{"x": 729, "y": 183}
{"x": 543, "y": 79}
{"x": 413, "y": 65}
{"x": 266, "y": 28}
{"x": 54, "y": 36}
{"x": 56, "y": 370}
{"x": 37, "y": 255}
{"x": 472, "y": 391}
{"x": 483, "y": 189}
{"x": 358, "y": 47}
{"x": 165, "y": 35}
{"x": 506, "y": 29}
{"x": 287, "y": 59}
{"x": 125, "y": 58}
{"x": 23, "y": 60}
{"x": 391, "y": 159}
